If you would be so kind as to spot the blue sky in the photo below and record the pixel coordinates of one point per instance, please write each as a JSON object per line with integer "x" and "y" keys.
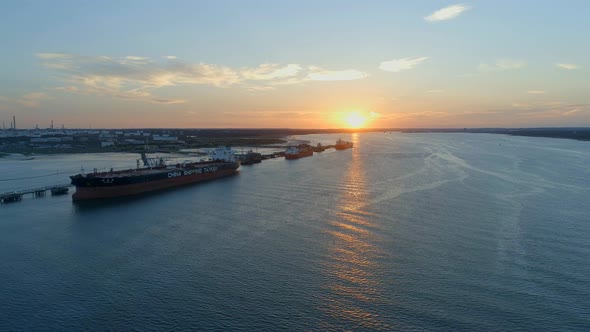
{"x": 295, "y": 63}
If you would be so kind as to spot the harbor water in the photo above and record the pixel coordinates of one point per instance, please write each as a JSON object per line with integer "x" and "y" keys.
{"x": 408, "y": 232}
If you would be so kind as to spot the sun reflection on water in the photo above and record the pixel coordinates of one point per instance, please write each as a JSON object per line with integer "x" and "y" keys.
{"x": 353, "y": 264}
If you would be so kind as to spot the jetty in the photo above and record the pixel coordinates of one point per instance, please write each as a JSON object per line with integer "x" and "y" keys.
{"x": 15, "y": 196}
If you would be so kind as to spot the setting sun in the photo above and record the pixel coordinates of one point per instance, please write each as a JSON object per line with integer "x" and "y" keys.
{"x": 355, "y": 120}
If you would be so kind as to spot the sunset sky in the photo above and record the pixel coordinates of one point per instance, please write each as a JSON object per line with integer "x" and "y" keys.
{"x": 295, "y": 64}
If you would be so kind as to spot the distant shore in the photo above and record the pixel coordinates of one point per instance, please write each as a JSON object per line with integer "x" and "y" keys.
{"x": 208, "y": 138}
{"x": 580, "y": 133}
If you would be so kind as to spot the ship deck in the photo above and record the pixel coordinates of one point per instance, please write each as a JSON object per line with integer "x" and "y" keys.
{"x": 148, "y": 171}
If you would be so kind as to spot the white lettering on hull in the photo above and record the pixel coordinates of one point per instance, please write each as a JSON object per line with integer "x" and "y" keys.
{"x": 201, "y": 170}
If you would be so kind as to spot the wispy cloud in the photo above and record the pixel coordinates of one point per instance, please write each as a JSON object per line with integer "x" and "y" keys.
{"x": 32, "y": 99}
{"x": 575, "y": 111}
{"x": 375, "y": 115}
{"x": 536, "y": 92}
{"x": 273, "y": 114}
{"x": 568, "y": 66}
{"x": 136, "y": 78}
{"x": 397, "y": 65}
{"x": 267, "y": 72}
{"x": 536, "y": 113}
{"x": 318, "y": 74}
{"x": 554, "y": 109}
{"x": 136, "y": 58}
{"x": 260, "y": 88}
{"x": 53, "y": 55}
{"x": 3, "y": 101}
{"x": 502, "y": 65}
{"x": 446, "y": 13}
{"x": 418, "y": 115}
{"x": 435, "y": 91}
{"x": 70, "y": 88}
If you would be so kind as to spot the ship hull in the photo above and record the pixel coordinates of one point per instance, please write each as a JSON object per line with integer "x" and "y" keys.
{"x": 133, "y": 182}
{"x": 90, "y": 193}
{"x": 302, "y": 154}
{"x": 343, "y": 147}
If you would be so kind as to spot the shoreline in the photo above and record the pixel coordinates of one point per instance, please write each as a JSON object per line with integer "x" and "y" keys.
{"x": 271, "y": 137}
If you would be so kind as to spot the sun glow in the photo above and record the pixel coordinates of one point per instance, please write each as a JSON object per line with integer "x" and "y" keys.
{"x": 355, "y": 120}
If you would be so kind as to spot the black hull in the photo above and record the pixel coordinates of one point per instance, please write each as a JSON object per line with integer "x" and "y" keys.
{"x": 133, "y": 182}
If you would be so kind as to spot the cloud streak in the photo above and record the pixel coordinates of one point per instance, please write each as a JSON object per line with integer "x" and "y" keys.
{"x": 446, "y": 13}
{"x": 539, "y": 114}
{"x": 502, "y": 65}
{"x": 32, "y": 99}
{"x": 553, "y": 109}
{"x": 397, "y": 65}
{"x": 318, "y": 74}
{"x": 568, "y": 66}
{"x": 136, "y": 77}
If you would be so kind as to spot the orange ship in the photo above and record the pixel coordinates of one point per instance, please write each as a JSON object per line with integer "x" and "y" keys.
{"x": 299, "y": 151}
{"x": 343, "y": 145}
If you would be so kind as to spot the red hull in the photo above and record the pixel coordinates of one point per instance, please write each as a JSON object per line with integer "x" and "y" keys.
{"x": 87, "y": 193}
{"x": 302, "y": 154}
{"x": 343, "y": 147}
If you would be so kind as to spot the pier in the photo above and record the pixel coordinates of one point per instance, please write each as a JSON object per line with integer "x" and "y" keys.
{"x": 15, "y": 196}
{"x": 273, "y": 155}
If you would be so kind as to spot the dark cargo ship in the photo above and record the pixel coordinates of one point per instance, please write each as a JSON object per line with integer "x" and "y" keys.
{"x": 154, "y": 176}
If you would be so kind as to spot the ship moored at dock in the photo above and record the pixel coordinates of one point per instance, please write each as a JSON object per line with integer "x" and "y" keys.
{"x": 156, "y": 175}
{"x": 319, "y": 148}
{"x": 250, "y": 158}
{"x": 299, "y": 151}
{"x": 343, "y": 145}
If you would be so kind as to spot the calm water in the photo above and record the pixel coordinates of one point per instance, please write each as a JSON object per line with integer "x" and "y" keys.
{"x": 404, "y": 232}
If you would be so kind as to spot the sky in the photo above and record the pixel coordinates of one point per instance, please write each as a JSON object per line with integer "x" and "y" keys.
{"x": 295, "y": 64}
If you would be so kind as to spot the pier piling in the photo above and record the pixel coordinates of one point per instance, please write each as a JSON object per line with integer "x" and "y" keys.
{"x": 15, "y": 196}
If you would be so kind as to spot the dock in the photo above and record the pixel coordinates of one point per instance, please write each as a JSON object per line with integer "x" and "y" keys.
{"x": 273, "y": 155}
{"x": 15, "y": 196}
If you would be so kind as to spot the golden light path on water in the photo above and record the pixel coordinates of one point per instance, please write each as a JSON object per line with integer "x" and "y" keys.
{"x": 353, "y": 258}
